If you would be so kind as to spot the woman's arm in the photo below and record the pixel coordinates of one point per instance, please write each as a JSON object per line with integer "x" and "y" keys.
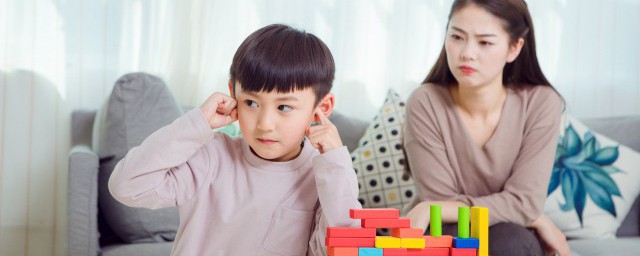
{"x": 420, "y": 214}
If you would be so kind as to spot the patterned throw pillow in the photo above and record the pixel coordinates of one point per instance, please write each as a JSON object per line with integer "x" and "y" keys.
{"x": 379, "y": 161}
{"x": 593, "y": 184}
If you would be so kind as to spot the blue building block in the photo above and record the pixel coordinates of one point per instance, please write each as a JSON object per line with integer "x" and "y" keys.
{"x": 466, "y": 242}
{"x": 369, "y": 251}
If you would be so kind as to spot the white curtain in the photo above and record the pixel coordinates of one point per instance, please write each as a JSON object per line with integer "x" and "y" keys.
{"x": 61, "y": 55}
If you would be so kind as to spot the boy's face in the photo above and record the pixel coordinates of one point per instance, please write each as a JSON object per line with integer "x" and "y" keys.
{"x": 274, "y": 124}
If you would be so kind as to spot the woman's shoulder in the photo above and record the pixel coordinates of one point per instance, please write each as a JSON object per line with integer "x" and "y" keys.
{"x": 538, "y": 94}
{"x": 429, "y": 93}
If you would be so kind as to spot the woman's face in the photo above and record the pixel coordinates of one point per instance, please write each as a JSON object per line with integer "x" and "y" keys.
{"x": 478, "y": 47}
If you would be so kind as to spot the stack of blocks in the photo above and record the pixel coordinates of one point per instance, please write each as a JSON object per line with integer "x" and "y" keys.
{"x": 407, "y": 241}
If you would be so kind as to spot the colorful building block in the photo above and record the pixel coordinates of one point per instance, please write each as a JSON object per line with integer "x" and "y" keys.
{"x": 377, "y": 213}
{"x": 395, "y": 252}
{"x": 387, "y": 242}
{"x": 480, "y": 228}
{"x": 350, "y": 232}
{"x": 350, "y": 242}
{"x": 412, "y": 243}
{"x": 417, "y": 252}
{"x": 438, "y": 242}
{"x": 386, "y": 223}
{"x": 466, "y": 243}
{"x": 435, "y": 220}
{"x": 342, "y": 251}
{"x": 463, "y": 252}
{"x": 370, "y": 252}
{"x": 437, "y": 251}
{"x": 407, "y": 232}
{"x": 463, "y": 222}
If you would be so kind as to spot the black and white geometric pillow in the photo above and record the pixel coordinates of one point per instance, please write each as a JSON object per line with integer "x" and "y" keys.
{"x": 379, "y": 161}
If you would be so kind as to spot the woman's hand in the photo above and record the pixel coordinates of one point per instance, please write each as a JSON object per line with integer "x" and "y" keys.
{"x": 419, "y": 216}
{"x": 219, "y": 110}
{"x": 551, "y": 235}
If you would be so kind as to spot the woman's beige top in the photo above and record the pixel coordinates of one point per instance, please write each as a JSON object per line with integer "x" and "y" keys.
{"x": 509, "y": 174}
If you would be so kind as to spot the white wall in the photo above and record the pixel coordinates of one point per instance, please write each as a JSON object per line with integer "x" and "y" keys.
{"x": 60, "y": 55}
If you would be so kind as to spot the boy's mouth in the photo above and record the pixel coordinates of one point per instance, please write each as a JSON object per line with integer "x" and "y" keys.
{"x": 266, "y": 141}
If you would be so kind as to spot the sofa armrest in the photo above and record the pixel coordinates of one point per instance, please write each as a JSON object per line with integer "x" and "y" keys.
{"x": 83, "y": 202}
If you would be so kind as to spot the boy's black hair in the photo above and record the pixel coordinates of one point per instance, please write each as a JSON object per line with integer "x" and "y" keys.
{"x": 281, "y": 58}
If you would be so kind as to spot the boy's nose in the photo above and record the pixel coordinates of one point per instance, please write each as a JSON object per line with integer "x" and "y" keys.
{"x": 265, "y": 122}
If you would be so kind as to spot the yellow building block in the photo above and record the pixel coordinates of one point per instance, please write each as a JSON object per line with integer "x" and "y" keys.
{"x": 412, "y": 243}
{"x": 387, "y": 242}
{"x": 480, "y": 228}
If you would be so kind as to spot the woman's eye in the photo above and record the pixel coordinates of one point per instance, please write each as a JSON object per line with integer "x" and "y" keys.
{"x": 251, "y": 103}
{"x": 456, "y": 37}
{"x": 285, "y": 108}
{"x": 485, "y": 43}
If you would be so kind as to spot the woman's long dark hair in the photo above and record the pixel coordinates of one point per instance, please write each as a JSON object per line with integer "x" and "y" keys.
{"x": 524, "y": 70}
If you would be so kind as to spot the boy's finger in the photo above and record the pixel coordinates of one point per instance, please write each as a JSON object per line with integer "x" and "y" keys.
{"x": 324, "y": 120}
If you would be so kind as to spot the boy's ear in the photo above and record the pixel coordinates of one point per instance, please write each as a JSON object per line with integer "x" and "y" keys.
{"x": 326, "y": 106}
{"x": 231, "y": 90}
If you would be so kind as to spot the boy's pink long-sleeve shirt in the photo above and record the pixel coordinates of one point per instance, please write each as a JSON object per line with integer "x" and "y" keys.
{"x": 232, "y": 202}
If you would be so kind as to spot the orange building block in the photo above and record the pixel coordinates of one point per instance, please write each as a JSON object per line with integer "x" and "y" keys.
{"x": 350, "y": 241}
{"x": 407, "y": 232}
{"x": 375, "y": 213}
{"x": 342, "y": 251}
{"x": 350, "y": 232}
{"x": 463, "y": 252}
{"x": 386, "y": 223}
{"x": 438, "y": 242}
{"x": 394, "y": 252}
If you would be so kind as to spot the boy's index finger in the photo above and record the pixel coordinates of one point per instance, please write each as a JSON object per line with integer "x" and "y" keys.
{"x": 324, "y": 120}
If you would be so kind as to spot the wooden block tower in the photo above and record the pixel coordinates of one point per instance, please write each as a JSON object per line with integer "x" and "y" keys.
{"x": 407, "y": 241}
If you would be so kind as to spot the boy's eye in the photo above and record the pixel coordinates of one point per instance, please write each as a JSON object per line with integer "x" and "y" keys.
{"x": 485, "y": 43}
{"x": 251, "y": 103}
{"x": 285, "y": 108}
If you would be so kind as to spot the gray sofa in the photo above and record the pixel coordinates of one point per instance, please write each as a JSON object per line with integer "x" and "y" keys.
{"x": 88, "y": 235}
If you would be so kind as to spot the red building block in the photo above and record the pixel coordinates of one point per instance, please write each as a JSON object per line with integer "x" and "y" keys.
{"x": 350, "y": 232}
{"x": 376, "y": 213}
{"x": 417, "y": 252}
{"x": 394, "y": 252}
{"x": 438, "y": 242}
{"x": 350, "y": 242}
{"x": 342, "y": 251}
{"x": 437, "y": 251}
{"x": 463, "y": 252}
{"x": 407, "y": 232}
{"x": 386, "y": 223}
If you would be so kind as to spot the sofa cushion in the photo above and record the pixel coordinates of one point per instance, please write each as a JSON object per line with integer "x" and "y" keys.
{"x": 138, "y": 105}
{"x": 599, "y": 247}
{"x": 379, "y": 160}
{"x": 594, "y": 183}
{"x": 350, "y": 129}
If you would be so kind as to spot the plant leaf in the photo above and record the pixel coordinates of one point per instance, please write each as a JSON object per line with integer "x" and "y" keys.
{"x": 572, "y": 141}
{"x": 600, "y": 195}
{"x": 580, "y": 200}
{"x": 602, "y": 179}
{"x": 569, "y": 182}
{"x": 605, "y": 156}
{"x": 555, "y": 180}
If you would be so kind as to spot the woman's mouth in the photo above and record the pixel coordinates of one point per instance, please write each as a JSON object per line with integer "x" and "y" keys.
{"x": 467, "y": 70}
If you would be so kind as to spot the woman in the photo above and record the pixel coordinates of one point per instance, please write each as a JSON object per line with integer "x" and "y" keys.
{"x": 483, "y": 127}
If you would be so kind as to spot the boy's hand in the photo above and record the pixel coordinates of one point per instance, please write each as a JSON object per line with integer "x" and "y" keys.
{"x": 219, "y": 110}
{"x": 325, "y": 136}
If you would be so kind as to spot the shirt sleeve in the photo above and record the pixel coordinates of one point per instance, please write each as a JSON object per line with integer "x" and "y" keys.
{"x": 337, "y": 186}
{"x": 168, "y": 167}
{"x": 525, "y": 191}
{"x": 522, "y": 199}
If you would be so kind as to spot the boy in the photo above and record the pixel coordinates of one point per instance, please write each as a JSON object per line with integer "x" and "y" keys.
{"x": 271, "y": 192}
